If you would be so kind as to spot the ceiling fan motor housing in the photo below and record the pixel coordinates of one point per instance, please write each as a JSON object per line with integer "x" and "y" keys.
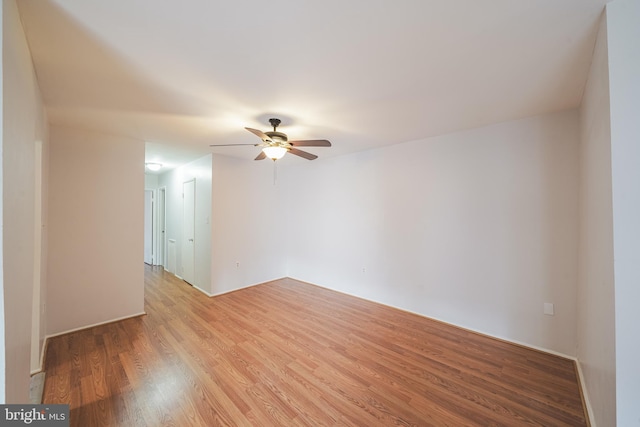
{"x": 277, "y": 136}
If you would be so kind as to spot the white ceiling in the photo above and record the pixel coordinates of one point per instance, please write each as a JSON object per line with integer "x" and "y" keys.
{"x": 362, "y": 73}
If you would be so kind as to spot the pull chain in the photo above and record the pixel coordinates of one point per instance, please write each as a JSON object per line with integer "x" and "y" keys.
{"x": 275, "y": 172}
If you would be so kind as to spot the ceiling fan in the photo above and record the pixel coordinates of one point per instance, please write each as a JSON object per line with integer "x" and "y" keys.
{"x": 276, "y": 144}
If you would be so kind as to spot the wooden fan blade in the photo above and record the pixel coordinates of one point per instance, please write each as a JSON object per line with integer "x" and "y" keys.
{"x": 263, "y": 136}
{"x": 304, "y": 154}
{"x": 230, "y": 145}
{"x": 311, "y": 143}
{"x": 261, "y": 156}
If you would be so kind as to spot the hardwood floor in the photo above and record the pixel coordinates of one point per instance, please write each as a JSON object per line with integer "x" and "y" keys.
{"x": 289, "y": 353}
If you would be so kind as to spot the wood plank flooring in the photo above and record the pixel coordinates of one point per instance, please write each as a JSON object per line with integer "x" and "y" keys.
{"x": 289, "y": 353}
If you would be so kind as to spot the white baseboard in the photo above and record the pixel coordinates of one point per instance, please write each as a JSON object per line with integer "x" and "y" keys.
{"x": 508, "y": 340}
{"x": 476, "y": 331}
{"x": 580, "y": 374}
{"x": 581, "y": 383}
{"x": 585, "y": 395}
{"x": 245, "y": 287}
{"x": 43, "y": 352}
{"x": 142, "y": 313}
{"x": 203, "y": 291}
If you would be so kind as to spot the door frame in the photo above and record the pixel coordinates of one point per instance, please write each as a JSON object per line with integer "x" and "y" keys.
{"x": 37, "y": 305}
{"x": 152, "y": 224}
{"x": 160, "y": 249}
{"x": 183, "y": 243}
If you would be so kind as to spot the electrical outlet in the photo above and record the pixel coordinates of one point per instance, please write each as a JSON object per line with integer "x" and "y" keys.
{"x": 237, "y": 264}
{"x": 548, "y": 309}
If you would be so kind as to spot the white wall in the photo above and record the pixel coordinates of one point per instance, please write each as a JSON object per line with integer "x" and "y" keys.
{"x": 477, "y": 228}
{"x": 236, "y": 201}
{"x": 249, "y": 224}
{"x": 596, "y": 308}
{"x": 150, "y": 181}
{"x": 96, "y": 209}
{"x": 236, "y": 205}
{"x": 623, "y": 26}
{"x": 173, "y": 180}
{"x": 24, "y": 123}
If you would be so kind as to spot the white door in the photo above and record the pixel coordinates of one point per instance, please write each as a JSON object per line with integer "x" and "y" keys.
{"x": 148, "y": 226}
{"x": 188, "y": 231}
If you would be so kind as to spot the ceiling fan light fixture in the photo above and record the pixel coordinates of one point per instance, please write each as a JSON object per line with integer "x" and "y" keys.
{"x": 153, "y": 166}
{"x": 274, "y": 152}
{"x": 276, "y": 144}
